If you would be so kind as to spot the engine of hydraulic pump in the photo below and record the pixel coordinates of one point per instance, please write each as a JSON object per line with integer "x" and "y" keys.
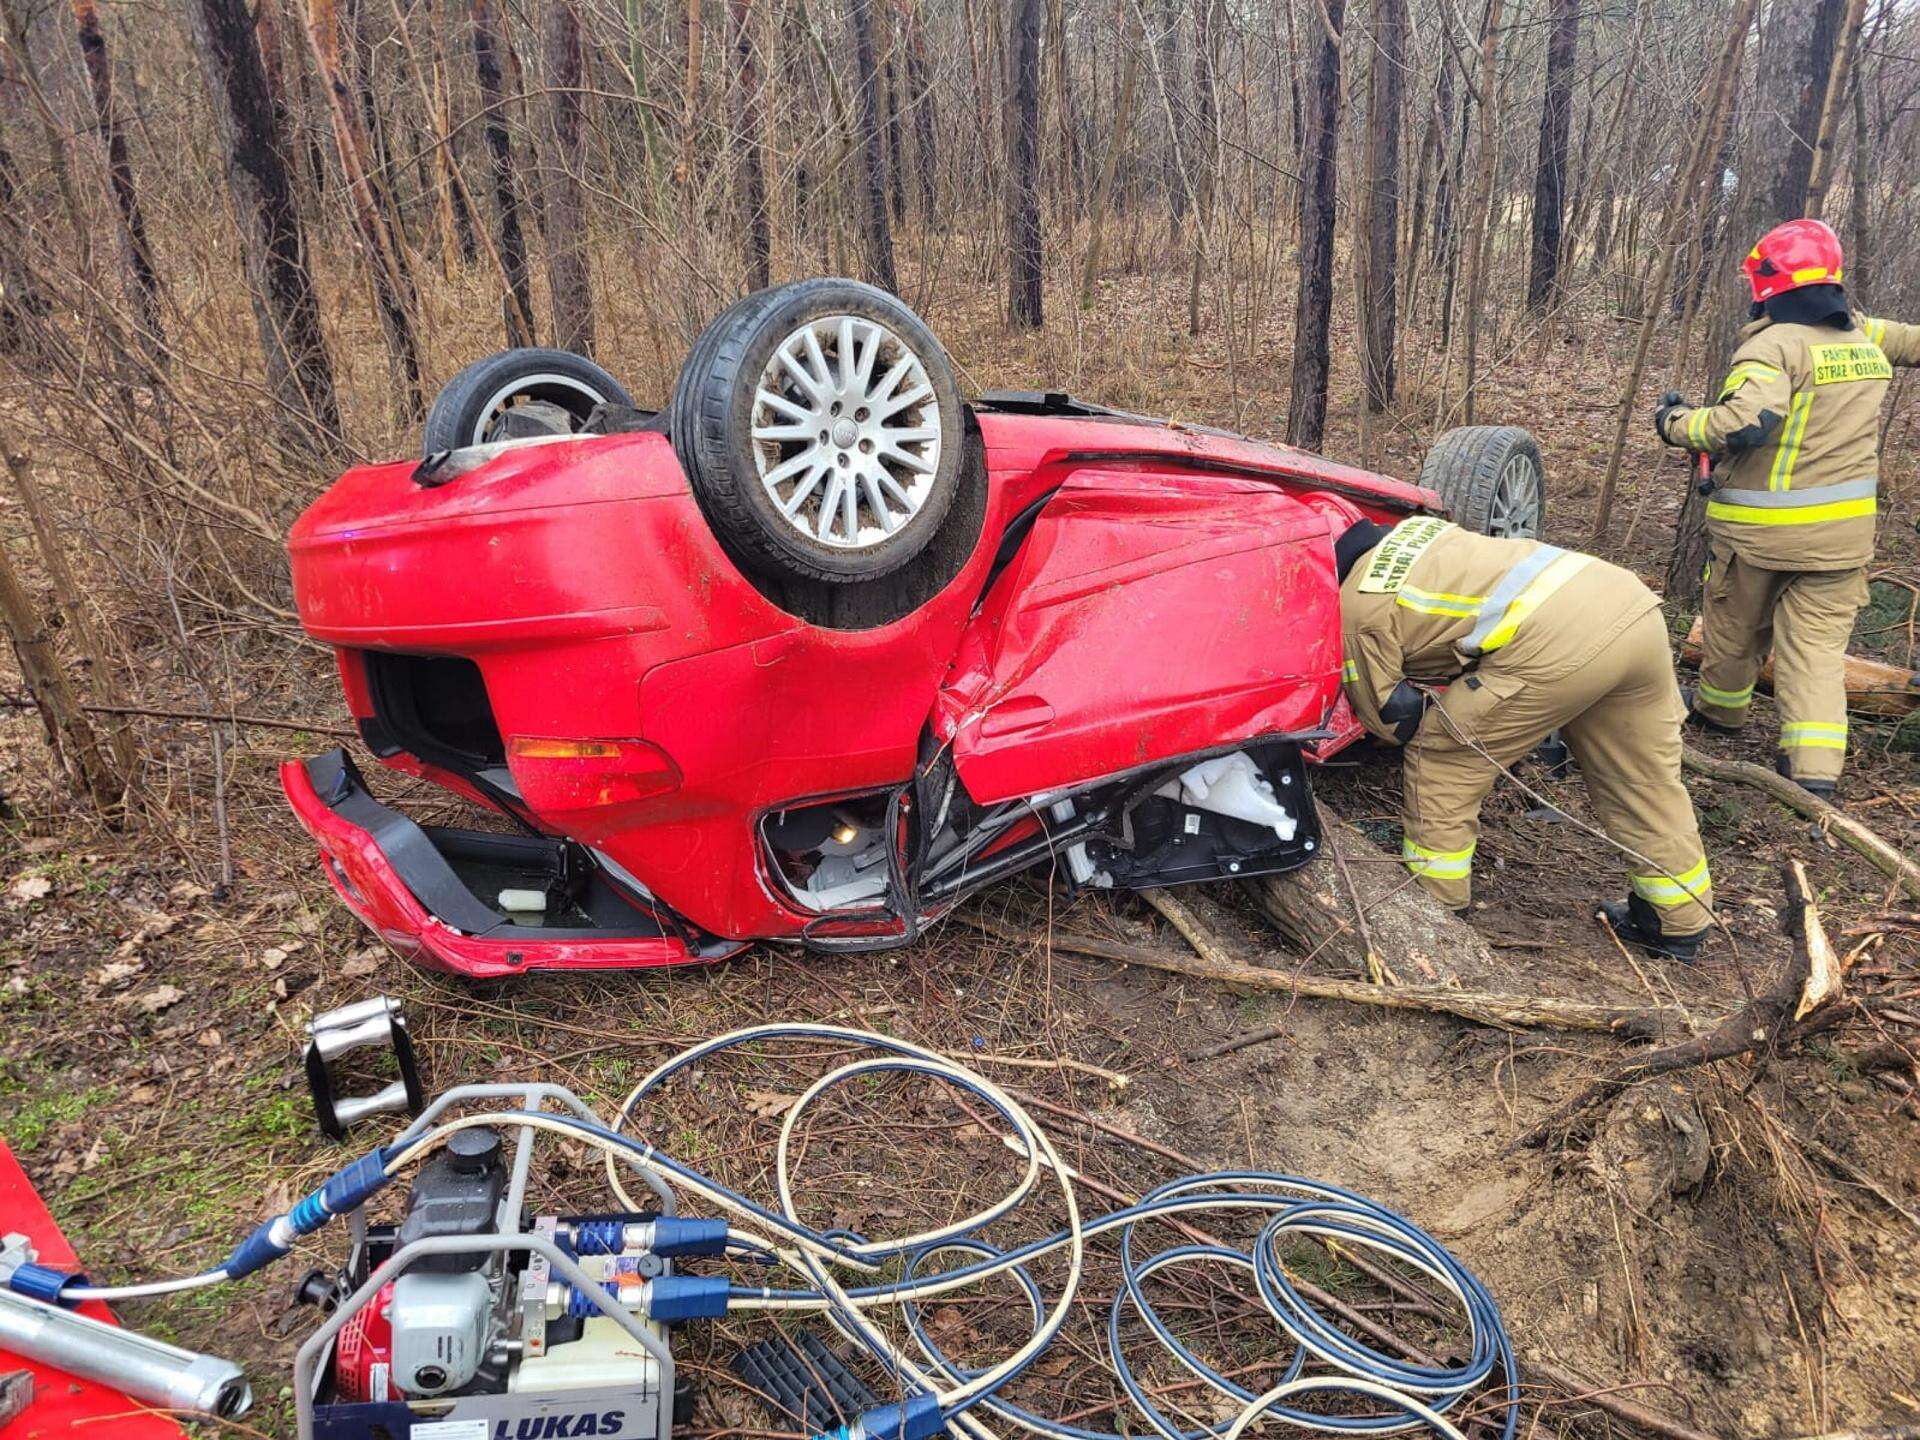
{"x": 473, "y": 1330}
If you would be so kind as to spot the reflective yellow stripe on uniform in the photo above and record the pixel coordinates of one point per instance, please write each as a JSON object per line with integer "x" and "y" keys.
{"x": 1788, "y": 455}
{"x": 1525, "y": 588}
{"x": 1796, "y": 507}
{"x": 1697, "y": 427}
{"x": 1876, "y": 330}
{"x": 1813, "y": 735}
{"x": 1439, "y": 602}
{"x": 1349, "y": 672}
{"x": 1439, "y": 864}
{"x": 1667, "y": 891}
{"x": 1746, "y": 370}
{"x": 1725, "y": 699}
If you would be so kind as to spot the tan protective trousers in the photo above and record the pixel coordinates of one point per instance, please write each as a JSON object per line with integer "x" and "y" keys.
{"x": 1806, "y": 618}
{"x": 1620, "y": 713}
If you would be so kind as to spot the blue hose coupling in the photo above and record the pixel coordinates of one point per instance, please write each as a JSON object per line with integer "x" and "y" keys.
{"x": 916, "y": 1418}
{"x": 344, "y": 1190}
{"x": 672, "y": 1298}
{"x": 673, "y": 1235}
{"x": 43, "y": 1282}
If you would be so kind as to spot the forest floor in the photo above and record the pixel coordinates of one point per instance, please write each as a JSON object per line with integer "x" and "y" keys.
{"x": 1768, "y": 1285}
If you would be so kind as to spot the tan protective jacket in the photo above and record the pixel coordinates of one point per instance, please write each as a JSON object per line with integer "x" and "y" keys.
{"x": 1432, "y": 600}
{"x": 1799, "y": 415}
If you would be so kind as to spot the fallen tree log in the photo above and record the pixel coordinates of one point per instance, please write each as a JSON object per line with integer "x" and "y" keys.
{"x": 1873, "y": 686}
{"x": 1501, "y": 1010}
{"x": 1809, "y": 979}
{"x": 1842, "y": 826}
{"x": 1358, "y": 903}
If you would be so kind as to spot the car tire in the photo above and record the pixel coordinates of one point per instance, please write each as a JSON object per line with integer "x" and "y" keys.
{"x": 1491, "y": 478}
{"x": 829, "y": 477}
{"x": 476, "y": 406}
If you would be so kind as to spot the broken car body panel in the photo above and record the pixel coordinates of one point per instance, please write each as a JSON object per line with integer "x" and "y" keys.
{"x": 557, "y": 634}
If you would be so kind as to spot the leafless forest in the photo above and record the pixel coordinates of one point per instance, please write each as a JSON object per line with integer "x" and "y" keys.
{"x": 242, "y": 242}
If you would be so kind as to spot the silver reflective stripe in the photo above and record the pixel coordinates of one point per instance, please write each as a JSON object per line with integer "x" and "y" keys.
{"x": 1494, "y": 610}
{"x": 1794, "y": 499}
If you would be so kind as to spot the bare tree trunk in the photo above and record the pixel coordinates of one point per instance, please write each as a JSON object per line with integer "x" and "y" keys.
{"x": 69, "y": 733}
{"x": 643, "y": 106}
{"x": 808, "y": 234}
{"x": 1859, "y": 211}
{"x": 1795, "y": 53}
{"x": 1550, "y": 169}
{"x": 1023, "y": 170}
{"x": 1379, "y": 233}
{"x": 1307, "y": 404}
{"x": 569, "y": 280}
{"x": 1475, "y": 280}
{"x": 386, "y": 262}
{"x": 1718, "y": 88}
{"x": 76, "y": 619}
{"x": 1205, "y": 155}
{"x": 891, "y": 87}
{"x": 920, "y": 96}
{"x": 516, "y": 302}
{"x": 279, "y": 283}
{"x": 1811, "y": 28}
{"x": 876, "y": 230}
{"x": 22, "y": 303}
{"x": 22, "y": 67}
{"x": 1173, "y": 159}
{"x": 1429, "y": 170}
{"x": 1821, "y": 172}
{"x": 1355, "y": 909}
{"x": 143, "y": 281}
{"x": 1110, "y": 162}
{"x": 756, "y": 233}
{"x": 456, "y": 200}
{"x": 690, "y": 108}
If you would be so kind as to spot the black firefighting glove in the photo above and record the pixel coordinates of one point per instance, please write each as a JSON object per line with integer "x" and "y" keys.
{"x": 1669, "y": 402}
{"x": 1402, "y": 710}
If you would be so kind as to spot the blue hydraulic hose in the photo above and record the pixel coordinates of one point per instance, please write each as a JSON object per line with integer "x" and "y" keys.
{"x": 1288, "y": 1204}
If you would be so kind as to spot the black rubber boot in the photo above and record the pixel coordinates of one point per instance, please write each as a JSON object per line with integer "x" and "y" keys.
{"x": 1694, "y": 717}
{"x": 1821, "y": 788}
{"x": 1638, "y": 923}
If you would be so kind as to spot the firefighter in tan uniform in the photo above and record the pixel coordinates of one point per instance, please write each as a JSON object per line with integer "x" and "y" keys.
{"x": 1527, "y": 639}
{"x": 1790, "y": 517}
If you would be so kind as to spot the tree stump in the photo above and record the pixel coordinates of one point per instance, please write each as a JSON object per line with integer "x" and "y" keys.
{"x": 1357, "y": 900}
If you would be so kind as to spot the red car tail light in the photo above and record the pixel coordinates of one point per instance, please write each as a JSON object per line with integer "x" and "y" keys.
{"x": 575, "y": 774}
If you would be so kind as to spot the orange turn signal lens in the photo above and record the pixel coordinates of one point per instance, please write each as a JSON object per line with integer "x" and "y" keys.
{"x": 540, "y": 747}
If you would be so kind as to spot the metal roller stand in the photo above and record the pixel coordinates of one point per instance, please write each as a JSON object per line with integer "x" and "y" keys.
{"x": 364, "y": 1025}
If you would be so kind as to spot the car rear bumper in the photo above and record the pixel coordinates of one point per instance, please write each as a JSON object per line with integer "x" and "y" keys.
{"x": 415, "y": 888}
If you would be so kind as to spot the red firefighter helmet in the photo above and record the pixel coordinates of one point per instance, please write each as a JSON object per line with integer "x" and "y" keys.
{"x": 1800, "y": 252}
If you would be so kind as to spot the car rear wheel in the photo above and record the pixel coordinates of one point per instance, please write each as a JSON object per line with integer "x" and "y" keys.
{"x": 820, "y": 427}
{"x": 1491, "y": 478}
{"x": 518, "y": 393}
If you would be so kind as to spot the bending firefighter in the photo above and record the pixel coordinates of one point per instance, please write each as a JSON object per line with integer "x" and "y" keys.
{"x": 1527, "y": 639}
{"x": 1790, "y": 514}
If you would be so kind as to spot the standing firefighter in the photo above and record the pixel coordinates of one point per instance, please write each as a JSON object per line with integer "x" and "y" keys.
{"x": 1790, "y": 515}
{"x": 1527, "y": 639}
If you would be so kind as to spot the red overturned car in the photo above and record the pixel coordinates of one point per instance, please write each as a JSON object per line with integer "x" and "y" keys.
{"x": 821, "y": 648}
